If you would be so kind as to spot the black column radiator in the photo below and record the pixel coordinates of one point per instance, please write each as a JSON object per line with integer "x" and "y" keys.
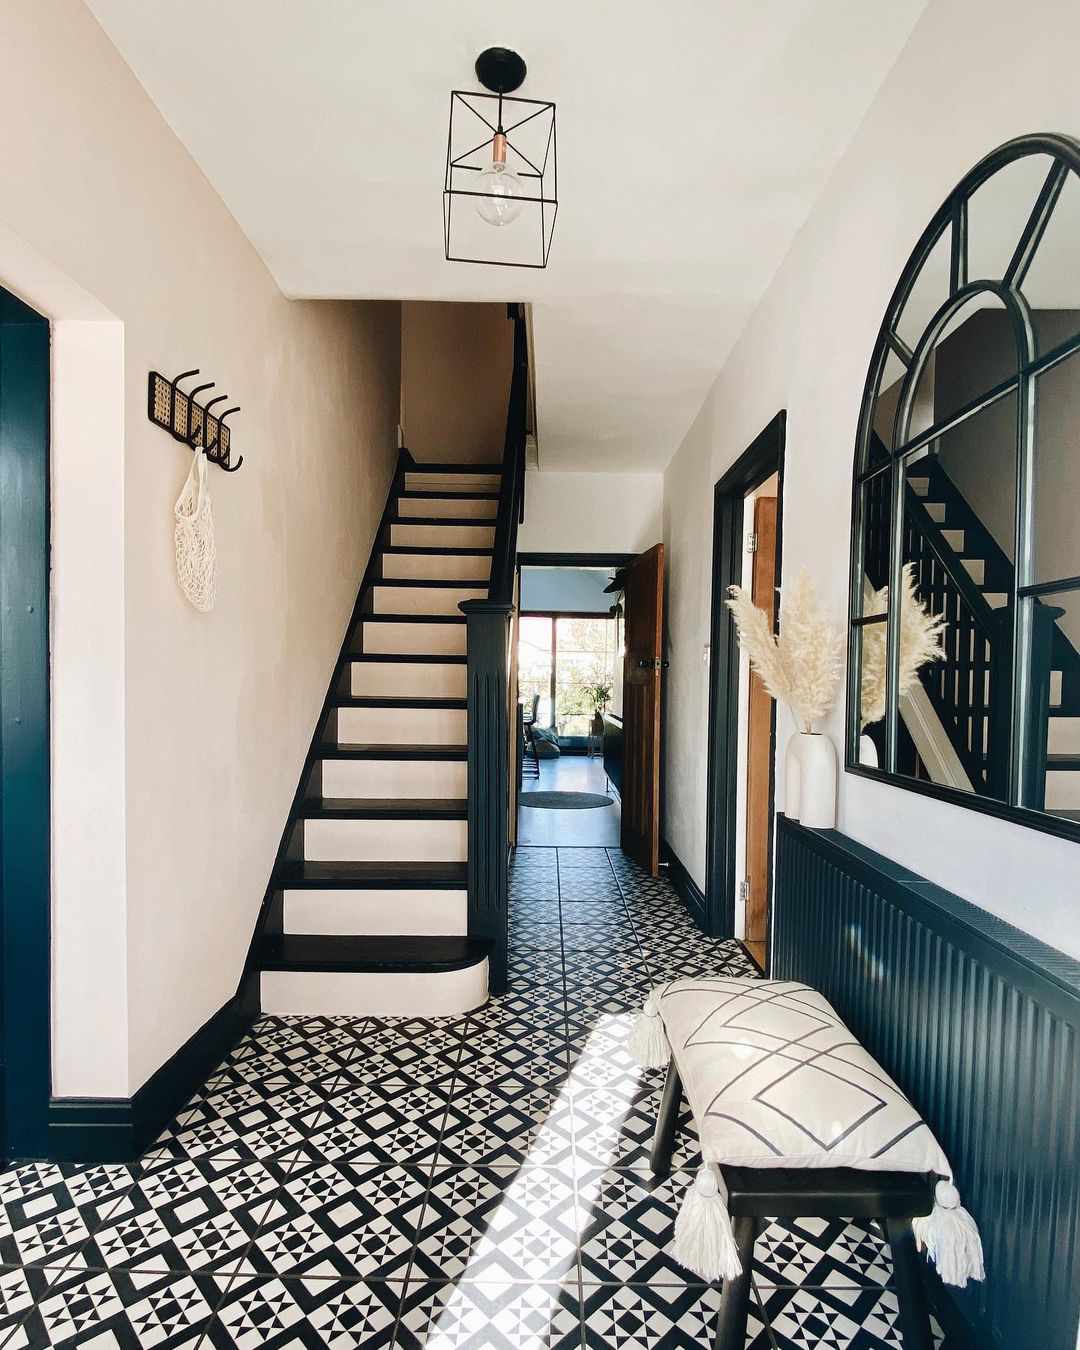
{"x": 980, "y": 1025}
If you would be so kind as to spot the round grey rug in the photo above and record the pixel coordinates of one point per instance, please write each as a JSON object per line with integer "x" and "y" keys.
{"x": 564, "y": 801}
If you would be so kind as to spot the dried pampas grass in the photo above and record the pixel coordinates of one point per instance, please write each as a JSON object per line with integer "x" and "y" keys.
{"x": 920, "y": 643}
{"x": 801, "y": 668}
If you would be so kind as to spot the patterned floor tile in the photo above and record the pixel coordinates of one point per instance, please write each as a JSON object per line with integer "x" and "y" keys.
{"x": 587, "y": 883}
{"x": 506, "y": 1122}
{"x": 489, "y": 1226}
{"x": 811, "y": 1252}
{"x": 528, "y": 932}
{"x": 645, "y": 1317}
{"x": 583, "y": 857}
{"x": 114, "y": 1308}
{"x": 274, "y": 1312}
{"x": 537, "y": 911}
{"x": 497, "y": 1317}
{"x": 630, "y": 1217}
{"x": 546, "y": 858}
{"x": 594, "y": 911}
{"x": 360, "y": 1221}
{"x": 534, "y": 888}
{"x": 802, "y": 1319}
{"x": 21, "y": 1290}
{"x": 614, "y": 939}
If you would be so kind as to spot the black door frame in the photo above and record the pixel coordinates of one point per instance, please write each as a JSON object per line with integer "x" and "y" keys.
{"x": 25, "y": 826}
{"x": 762, "y": 458}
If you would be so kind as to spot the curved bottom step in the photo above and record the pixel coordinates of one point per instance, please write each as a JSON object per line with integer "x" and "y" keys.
{"x": 370, "y": 994}
{"x": 370, "y": 976}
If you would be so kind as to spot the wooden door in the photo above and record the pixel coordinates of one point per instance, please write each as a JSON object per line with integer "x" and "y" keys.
{"x": 759, "y": 742}
{"x": 643, "y": 605}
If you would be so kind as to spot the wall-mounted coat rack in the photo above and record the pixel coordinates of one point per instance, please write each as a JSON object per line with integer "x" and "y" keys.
{"x": 189, "y": 422}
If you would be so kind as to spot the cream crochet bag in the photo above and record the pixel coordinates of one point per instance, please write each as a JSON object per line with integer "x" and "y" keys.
{"x": 196, "y": 556}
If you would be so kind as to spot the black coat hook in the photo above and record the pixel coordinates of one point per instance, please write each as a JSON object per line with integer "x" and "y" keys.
{"x": 190, "y": 422}
{"x": 224, "y": 463}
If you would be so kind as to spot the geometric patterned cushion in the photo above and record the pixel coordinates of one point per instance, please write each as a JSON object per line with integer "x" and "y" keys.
{"x": 775, "y": 1079}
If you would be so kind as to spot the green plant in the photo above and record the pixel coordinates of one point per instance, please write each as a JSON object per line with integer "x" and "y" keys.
{"x": 599, "y": 695}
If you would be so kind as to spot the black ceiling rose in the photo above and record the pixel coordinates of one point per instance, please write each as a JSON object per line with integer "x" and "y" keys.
{"x": 500, "y": 70}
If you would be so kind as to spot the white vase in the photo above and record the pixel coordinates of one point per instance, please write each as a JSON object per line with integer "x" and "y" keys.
{"x": 810, "y": 781}
{"x": 792, "y": 778}
{"x": 867, "y": 752}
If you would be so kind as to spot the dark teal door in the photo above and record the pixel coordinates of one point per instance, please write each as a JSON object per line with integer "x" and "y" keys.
{"x": 24, "y": 730}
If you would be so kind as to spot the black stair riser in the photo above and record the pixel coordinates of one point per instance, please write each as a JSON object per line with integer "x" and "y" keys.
{"x": 372, "y": 701}
{"x": 492, "y": 468}
{"x": 487, "y": 522}
{"x": 416, "y": 658}
{"x": 434, "y": 551}
{"x": 435, "y": 583}
{"x": 324, "y": 808}
{"x": 440, "y": 495}
{"x": 370, "y": 955}
{"x": 411, "y": 618}
{"x": 300, "y": 875}
{"x": 330, "y": 750}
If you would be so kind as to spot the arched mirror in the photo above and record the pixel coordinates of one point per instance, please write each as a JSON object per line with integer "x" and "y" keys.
{"x": 967, "y": 502}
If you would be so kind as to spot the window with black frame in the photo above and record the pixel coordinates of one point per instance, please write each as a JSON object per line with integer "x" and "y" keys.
{"x": 967, "y": 484}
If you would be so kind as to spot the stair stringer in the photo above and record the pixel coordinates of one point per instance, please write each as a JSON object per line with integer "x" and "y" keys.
{"x": 268, "y": 922}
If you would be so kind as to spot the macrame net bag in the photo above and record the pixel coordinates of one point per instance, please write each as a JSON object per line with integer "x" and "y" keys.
{"x": 195, "y": 553}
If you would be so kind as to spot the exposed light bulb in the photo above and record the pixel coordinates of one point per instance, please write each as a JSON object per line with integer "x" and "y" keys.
{"x": 503, "y": 189}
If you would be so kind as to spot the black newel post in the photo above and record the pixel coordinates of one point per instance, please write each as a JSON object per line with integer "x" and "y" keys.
{"x": 488, "y": 623}
{"x": 1033, "y": 786}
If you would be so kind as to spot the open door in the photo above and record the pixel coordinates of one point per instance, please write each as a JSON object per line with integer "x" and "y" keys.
{"x": 759, "y": 743}
{"x": 643, "y": 602}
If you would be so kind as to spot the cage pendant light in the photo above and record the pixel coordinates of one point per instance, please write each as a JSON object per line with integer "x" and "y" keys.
{"x": 500, "y": 194}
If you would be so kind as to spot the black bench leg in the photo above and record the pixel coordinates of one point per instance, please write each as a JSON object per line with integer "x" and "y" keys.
{"x": 910, "y": 1286}
{"x": 735, "y": 1301}
{"x": 663, "y": 1144}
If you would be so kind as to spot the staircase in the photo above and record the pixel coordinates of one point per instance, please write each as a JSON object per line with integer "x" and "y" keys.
{"x": 366, "y": 913}
{"x": 963, "y": 573}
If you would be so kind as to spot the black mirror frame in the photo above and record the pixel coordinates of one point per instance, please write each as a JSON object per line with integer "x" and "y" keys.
{"x": 952, "y": 216}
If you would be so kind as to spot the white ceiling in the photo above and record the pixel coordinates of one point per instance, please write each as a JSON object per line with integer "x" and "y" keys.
{"x": 693, "y": 138}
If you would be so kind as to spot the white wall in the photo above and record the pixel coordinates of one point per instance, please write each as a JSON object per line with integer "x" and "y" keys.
{"x": 807, "y": 349}
{"x": 177, "y": 737}
{"x": 591, "y": 512}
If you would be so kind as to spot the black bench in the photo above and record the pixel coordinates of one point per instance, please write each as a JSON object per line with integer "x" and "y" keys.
{"x": 759, "y": 1193}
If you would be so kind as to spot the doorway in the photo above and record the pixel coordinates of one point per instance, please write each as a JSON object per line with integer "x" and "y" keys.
{"x": 24, "y": 731}
{"x": 565, "y": 662}
{"x": 747, "y": 537}
{"x": 570, "y": 687}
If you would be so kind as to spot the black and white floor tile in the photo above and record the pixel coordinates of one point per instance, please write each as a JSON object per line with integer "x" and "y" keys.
{"x": 453, "y": 1183}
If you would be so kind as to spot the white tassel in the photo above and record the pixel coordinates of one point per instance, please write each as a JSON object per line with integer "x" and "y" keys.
{"x": 648, "y": 1041}
{"x": 951, "y": 1238}
{"x": 704, "y": 1240}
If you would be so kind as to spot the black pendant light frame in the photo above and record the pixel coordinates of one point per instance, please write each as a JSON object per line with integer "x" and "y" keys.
{"x": 501, "y": 71}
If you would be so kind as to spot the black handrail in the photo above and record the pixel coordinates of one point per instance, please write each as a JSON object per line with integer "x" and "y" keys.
{"x": 512, "y": 495}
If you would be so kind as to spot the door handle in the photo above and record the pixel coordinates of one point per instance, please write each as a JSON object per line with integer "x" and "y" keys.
{"x": 647, "y": 663}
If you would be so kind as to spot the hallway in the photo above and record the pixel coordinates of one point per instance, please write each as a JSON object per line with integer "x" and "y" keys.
{"x": 595, "y": 826}
{"x": 471, "y": 1182}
